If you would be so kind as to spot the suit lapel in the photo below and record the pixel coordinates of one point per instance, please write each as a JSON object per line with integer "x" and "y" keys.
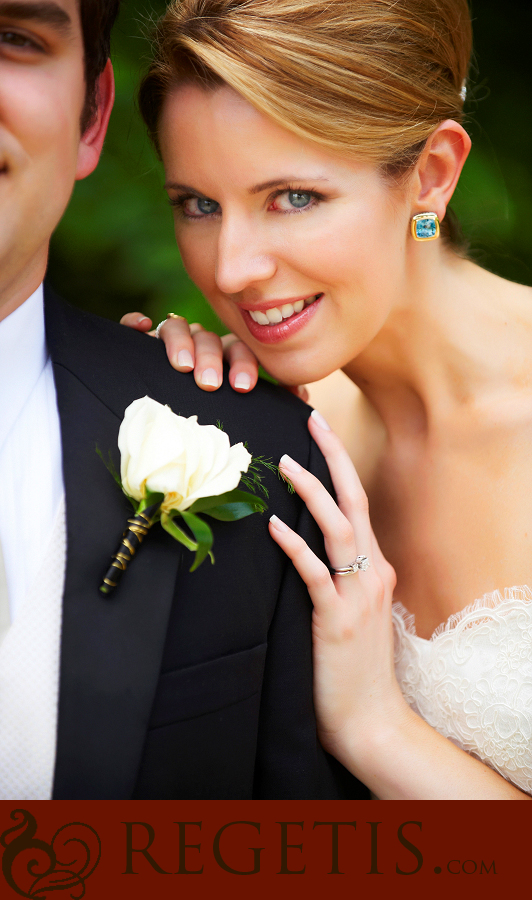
{"x": 111, "y": 647}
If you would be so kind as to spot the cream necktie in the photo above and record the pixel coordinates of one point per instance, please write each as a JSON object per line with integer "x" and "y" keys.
{"x": 5, "y": 617}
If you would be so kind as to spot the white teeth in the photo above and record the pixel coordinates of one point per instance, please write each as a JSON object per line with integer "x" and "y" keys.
{"x": 275, "y": 315}
{"x": 259, "y": 317}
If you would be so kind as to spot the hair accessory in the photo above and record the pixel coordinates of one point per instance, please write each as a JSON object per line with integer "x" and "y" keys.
{"x": 425, "y": 227}
{"x": 361, "y": 564}
{"x": 463, "y": 92}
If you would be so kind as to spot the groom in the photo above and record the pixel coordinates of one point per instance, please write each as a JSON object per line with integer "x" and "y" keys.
{"x": 178, "y": 685}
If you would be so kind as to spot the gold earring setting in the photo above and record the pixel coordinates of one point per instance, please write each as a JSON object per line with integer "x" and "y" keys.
{"x": 425, "y": 227}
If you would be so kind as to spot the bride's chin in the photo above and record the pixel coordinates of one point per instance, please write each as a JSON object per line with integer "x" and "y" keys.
{"x": 295, "y": 366}
{"x": 295, "y": 376}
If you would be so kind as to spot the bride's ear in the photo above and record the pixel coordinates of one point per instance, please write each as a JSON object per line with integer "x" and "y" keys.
{"x": 439, "y": 167}
{"x": 91, "y": 142}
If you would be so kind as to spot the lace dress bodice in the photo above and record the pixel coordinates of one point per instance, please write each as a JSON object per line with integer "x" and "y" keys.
{"x": 472, "y": 681}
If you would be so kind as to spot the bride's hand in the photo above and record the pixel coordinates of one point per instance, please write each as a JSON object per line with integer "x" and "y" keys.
{"x": 363, "y": 718}
{"x": 191, "y": 347}
{"x": 355, "y": 689}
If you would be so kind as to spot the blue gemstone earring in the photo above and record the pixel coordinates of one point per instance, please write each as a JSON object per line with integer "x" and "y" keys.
{"x": 425, "y": 227}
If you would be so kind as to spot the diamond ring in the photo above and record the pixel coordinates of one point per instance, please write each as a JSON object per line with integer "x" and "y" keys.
{"x": 361, "y": 564}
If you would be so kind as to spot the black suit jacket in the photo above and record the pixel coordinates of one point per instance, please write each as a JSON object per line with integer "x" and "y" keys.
{"x": 179, "y": 685}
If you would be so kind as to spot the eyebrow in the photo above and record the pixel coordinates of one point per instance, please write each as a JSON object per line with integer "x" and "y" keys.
{"x": 175, "y": 186}
{"x": 281, "y": 182}
{"x": 256, "y": 189}
{"x": 48, "y": 13}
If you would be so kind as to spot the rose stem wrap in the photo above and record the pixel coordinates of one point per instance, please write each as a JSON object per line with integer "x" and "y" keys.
{"x": 139, "y": 525}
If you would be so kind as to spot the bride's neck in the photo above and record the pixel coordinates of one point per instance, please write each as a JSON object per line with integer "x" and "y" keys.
{"x": 454, "y": 338}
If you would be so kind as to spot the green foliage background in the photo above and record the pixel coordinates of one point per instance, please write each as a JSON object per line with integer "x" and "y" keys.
{"x": 115, "y": 251}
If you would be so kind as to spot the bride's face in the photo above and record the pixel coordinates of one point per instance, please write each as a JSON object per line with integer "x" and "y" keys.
{"x": 300, "y": 251}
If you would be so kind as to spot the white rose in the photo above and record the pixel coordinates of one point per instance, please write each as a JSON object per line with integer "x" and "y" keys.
{"x": 175, "y": 456}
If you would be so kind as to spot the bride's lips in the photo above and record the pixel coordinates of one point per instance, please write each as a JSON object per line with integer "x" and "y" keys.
{"x": 273, "y": 333}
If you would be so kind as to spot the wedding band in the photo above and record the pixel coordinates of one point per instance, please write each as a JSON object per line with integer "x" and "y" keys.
{"x": 361, "y": 564}
{"x": 168, "y": 316}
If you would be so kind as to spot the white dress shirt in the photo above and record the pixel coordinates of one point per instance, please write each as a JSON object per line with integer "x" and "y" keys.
{"x": 31, "y": 477}
{"x": 33, "y": 536}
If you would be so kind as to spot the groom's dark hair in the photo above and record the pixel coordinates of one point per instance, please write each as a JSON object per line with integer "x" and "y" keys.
{"x": 97, "y": 20}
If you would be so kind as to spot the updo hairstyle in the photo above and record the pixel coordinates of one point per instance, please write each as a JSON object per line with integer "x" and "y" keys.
{"x": 371, "y": 79}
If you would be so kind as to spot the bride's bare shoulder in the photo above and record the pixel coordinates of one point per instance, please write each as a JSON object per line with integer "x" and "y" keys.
{"x": 352, "y": 417}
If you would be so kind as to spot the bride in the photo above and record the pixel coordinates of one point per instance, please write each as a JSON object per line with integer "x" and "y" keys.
{"x": 311, "y": 152}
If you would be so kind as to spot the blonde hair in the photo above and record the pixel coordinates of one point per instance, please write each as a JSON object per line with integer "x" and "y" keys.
{"x": 369, "y": 78}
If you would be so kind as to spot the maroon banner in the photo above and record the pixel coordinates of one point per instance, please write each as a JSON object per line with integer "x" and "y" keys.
{"x": 142, "y": 849}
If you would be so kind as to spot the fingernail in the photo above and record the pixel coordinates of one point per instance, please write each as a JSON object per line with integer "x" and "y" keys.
{"x": 142, "y": 319}
{"x": 184, "y": 359}
{"x": 319, "y": 420}
{"x": 278, "y": 524}
{"x": 243, "y": 381}
{"x": 289, "y": 464}
{"x": 210, "y": 378}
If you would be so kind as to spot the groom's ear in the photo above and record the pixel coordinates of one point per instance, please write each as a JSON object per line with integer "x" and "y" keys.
{"x": 91, "y": 142}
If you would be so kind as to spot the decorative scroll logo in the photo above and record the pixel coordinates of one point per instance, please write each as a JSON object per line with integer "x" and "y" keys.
{"x": 34, "y": 868}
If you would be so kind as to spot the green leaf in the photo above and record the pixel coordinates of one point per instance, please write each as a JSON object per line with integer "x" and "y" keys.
{"x": 252, "y": 479}
{"x": 111, "y": 468}
{"x": 203, "y": 535}
{"x": 231, "y": 512}
{"x": 151, "y": 499}
{"x": 290, "y": 486}
{"x": 205, "y": 504}
{"x": 170, "y": 526}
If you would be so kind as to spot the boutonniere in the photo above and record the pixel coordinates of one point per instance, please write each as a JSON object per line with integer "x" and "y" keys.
{"x": 172, "y": 469}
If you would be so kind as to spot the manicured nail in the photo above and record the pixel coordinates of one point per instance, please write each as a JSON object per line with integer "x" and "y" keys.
{"x": 243, "y": 381}
{"x": 289, "y": 464}
{"x": 142, "y": 319}
{"x": 278, "y": 524}
{"x": 210, "y": 378}
{"x": 184, "y": 359}
{"x": 319, "y": 420}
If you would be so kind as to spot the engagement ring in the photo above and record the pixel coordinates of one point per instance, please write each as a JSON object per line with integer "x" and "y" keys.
{"x": 361, "y": 564}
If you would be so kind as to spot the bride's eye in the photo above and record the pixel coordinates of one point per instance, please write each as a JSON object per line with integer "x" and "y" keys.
{"x": 299, "y": 199}
{"x": 294, "y": 201}
{"x": 199, "y": 207}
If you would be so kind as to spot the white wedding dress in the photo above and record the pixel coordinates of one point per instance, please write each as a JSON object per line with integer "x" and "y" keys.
{"x": 472, "y": 681}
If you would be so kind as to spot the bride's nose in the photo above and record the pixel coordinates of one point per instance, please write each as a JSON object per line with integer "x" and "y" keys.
{"x": 243, "y": 256}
